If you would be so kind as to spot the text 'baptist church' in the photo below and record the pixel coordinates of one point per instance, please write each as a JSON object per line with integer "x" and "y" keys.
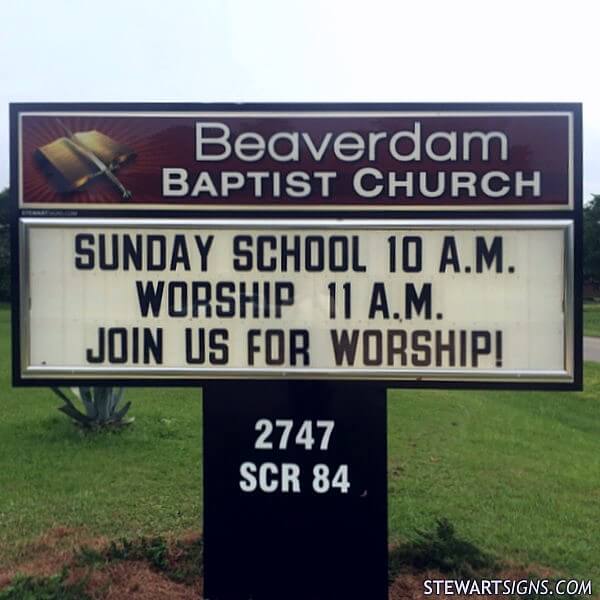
{"x": 215, "y": 142}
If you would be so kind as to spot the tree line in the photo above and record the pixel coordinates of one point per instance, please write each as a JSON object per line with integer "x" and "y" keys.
{"x": 591, "y": 243}
{"x": 591, "y": 240}
{"x": 4, "y": 248}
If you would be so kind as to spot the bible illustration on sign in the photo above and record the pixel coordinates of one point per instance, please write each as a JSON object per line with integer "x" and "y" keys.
{"x": 74, "y": 160}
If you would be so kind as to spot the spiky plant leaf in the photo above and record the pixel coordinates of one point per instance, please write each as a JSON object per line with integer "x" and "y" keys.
{"x": 76, "y": 415}
{"x": 111, "y": 400}
{"x": 118, "y": 396}
{"x": 68, "y": 402}
{"x": 101, "y": 406}
{"x": 101, "y": 400}
{"x": 121, "y": 413}
{"x": 88, "y": 402}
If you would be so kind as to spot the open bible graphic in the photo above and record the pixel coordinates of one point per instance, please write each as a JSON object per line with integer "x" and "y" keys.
{"x": 76, "y": 159}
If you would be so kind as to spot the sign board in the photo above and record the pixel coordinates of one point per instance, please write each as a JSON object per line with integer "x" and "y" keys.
{"x": 431, "y": 245}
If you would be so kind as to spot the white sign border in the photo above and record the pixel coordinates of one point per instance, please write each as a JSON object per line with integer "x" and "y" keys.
{"x": 566, "y": 375}
{"x": 405, "y": 207}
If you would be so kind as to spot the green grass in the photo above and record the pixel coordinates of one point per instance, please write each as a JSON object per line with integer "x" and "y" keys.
{"x": 591, "y": 319}
{"x": 517, "y": 474}
{"x": 144, "y": 480}
{"x": 180, "y": 561}
{"x": 55, "y": 587}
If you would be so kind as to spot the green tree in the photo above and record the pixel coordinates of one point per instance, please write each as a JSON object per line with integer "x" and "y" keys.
{"x": 4, "y": 248}
{"x": 591, "y": 239}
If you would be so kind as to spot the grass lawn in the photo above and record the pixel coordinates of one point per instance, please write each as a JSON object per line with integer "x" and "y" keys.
{"x": 591, "y": 319}
{"x": 518, "y": 474}
{"x": 145, "y": 480}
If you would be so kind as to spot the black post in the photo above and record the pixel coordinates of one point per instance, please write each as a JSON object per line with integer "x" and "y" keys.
{"x": 295, "y": 491}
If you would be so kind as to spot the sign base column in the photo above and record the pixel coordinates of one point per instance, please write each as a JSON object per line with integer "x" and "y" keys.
{"x": 295, "y": 491}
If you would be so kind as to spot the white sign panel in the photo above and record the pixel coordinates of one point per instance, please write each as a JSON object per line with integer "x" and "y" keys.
{"x": 477, "y": 300}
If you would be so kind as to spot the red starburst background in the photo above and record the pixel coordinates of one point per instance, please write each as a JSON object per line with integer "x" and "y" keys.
{"x": 536, "y": 143}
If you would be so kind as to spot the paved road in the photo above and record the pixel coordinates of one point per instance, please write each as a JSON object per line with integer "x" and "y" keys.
{"x": 591, "y": 349}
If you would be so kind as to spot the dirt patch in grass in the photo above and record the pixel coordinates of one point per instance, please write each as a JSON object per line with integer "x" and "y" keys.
{"x": 157, "y": 568}
{"x": 52, "y": 539}
{"x": 134, "y": 580}
{"x": 411, "y": 585}
{"x": 64, "y": 564}
{"x": 47, "y": 554}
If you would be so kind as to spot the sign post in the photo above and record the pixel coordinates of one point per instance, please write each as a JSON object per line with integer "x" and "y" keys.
{"x": 295, "y": 490}
{"x": 295, "y": 261}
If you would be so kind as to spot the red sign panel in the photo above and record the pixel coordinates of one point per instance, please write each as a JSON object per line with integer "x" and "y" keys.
{"x": 332, "y": 160}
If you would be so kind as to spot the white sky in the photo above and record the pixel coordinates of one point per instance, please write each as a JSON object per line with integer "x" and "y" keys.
{"x": 302, "y": 50}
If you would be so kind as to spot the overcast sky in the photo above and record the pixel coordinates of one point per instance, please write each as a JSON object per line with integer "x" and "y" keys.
{"x": 302, "y": 50}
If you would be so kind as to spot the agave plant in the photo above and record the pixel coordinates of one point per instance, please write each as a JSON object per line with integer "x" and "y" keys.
{"x": 101, "y": 407}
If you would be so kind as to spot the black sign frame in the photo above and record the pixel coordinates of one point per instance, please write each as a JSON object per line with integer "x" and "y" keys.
{"x": 575, "y": 214}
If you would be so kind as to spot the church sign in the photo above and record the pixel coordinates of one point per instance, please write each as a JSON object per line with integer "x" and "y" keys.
{"x": 421, "y": 245}
{"x": 295, "y": 261}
